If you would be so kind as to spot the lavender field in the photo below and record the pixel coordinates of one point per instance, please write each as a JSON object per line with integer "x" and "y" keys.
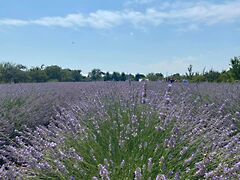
{"x": 120, "y": 130}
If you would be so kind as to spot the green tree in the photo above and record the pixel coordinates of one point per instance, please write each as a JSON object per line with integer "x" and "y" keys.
{"x": 76, "y": 75}
{"x": 198, "y": 77}
{"x": 66, "y": 75}
{"x": 54, "y": 73}
{"x": 37, "y": 75}
{"x": 212, "y": 76}
{"x": 21, "y": 76}
{"x": 159, "y": 76}
{"x": 152, "y": 77}
{"x": 190, "y": 73}
{"x": 139, "y": 76}
{"x": 226, "y": 76}
{"x": 176, "y": 76}
{"x": 8, "y": 72}
{"x": 95, "y": 75}
{"x": 130, "y": 77}
{"x": 116, "y": 76}
{"x": 235, "y": 67}
{"x": 107, "y": 77}
{"x": 12, "y": 73}
{"x": 123, "y": 77}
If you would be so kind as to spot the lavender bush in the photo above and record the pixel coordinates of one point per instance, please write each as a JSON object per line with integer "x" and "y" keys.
{"x": 125, "y": 130}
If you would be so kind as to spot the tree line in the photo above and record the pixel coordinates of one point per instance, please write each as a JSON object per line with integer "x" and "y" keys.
{"x": 18, "y": 73}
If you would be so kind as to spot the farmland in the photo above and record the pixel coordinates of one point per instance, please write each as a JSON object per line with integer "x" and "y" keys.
{"x": 120, "y": 130}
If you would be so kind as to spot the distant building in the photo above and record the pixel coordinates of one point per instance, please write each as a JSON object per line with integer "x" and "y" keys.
{"x": 143, "y": 80}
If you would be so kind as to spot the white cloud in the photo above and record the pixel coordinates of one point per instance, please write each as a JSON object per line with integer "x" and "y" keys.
{"x": 13, "y": 22}
{"x": 189, "y": 15}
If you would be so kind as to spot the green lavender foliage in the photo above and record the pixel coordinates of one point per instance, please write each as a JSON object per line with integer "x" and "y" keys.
{"x": 102, "y": 146}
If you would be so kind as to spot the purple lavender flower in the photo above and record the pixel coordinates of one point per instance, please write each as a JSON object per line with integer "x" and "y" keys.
{"x": 138, "y": 174}
{"x": 150, "y": 164}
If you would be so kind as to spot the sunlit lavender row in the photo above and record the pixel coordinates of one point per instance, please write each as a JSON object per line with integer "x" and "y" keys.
{"x": 120, "y": 130}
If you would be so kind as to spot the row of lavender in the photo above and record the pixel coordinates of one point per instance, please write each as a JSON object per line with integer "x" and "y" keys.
{"x": 123, "y": 131}
{"x": 32, "y": 104}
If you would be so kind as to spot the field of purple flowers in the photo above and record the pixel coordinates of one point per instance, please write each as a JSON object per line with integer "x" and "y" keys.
{"x": 120, "y": 130}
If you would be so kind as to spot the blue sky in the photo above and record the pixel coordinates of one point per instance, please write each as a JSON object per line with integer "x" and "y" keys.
{"x": 125, "y": 35}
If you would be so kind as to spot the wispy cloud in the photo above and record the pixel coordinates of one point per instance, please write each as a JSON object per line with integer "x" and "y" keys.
{"x": 13, "y": 22}
{"x": 190, "y": 15}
